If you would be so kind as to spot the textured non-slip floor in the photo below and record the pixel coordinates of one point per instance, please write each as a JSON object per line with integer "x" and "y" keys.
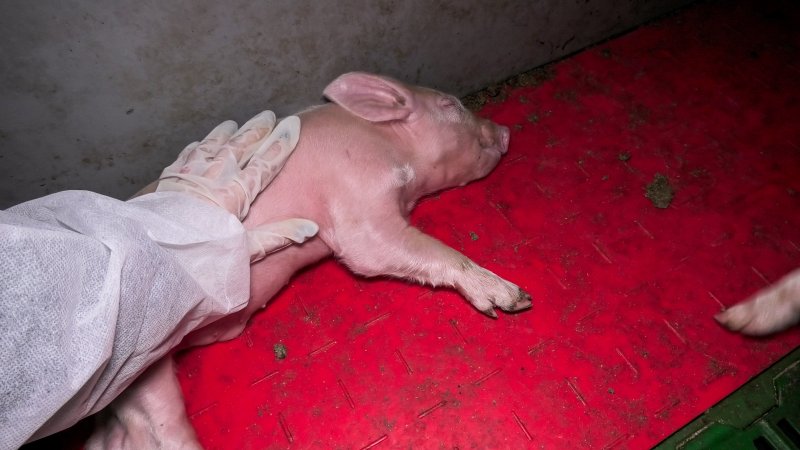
{"x": 620, "y": 348}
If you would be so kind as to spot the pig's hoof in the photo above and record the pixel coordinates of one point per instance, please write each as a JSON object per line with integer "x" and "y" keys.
{"x": 490, "y": 312}
{"x": 512, "y": 298}
{"x": 735, "y": 318}
{"x": 770, "y": 311}
{"x": 487, "y": 291}
{"x": 748, "y": 318}
{"x": 523, "y": 301}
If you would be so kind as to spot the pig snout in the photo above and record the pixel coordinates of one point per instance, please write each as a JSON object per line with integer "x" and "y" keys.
{"x": 504, "y": 136}
{"x": 494, "y": 137}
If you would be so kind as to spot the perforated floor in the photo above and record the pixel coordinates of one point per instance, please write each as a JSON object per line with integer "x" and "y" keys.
{"x": 620, "y": 348}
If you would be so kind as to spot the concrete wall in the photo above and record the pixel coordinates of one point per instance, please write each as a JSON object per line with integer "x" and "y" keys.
{"x": 102, "y": 95}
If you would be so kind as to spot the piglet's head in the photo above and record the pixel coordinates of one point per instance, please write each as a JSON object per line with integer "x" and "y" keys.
{"x": 445, "y": 143}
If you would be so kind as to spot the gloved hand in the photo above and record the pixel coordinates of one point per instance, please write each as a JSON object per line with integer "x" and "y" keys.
{"x": 231, "y": 166}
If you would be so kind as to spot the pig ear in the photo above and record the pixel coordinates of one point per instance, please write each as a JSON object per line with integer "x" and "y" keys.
{"x": 371, "y": 97}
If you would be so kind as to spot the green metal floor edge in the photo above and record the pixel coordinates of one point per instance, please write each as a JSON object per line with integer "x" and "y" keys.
{"x": 764, "y": 414}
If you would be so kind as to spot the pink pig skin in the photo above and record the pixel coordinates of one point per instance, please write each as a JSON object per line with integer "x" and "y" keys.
{"x": 772, "y": 309}
{"x": 359, "y": 167}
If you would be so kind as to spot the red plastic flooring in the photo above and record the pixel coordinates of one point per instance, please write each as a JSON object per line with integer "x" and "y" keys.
{"x": 620, "y": 348}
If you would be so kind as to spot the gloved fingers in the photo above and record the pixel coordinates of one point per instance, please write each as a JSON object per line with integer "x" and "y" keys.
{"x": 178, "y": 165}
{"x": 232, "y": 165}
{"x": 288, "y": 130}
{"x": 220, "y": 135}
{"x": 210, "y": 146}
{"x": 249, "y": 137}
{"x": 184, "y": 155}
{"x": 296, "y": 230}
{"x": 216, "y": 157}
{"x": 269, "y": 158}
{"x": 271, "y": 237}
{"x": 219, "y": 180}
{"x": 223, "y": 166}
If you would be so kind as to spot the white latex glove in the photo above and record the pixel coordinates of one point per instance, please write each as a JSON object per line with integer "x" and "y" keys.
{"x": 232, "y": 165}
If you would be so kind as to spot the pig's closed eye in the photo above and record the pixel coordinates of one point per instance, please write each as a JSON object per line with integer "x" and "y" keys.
{"x": 452, "y": 108}
{"x": 448, "y": 102}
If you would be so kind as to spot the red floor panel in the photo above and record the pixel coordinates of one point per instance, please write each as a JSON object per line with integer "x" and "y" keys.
{"x": 620, "y": 348}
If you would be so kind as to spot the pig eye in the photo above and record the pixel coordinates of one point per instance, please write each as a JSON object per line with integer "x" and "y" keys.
{"x": 449, "y": 102}
{"x": 452, "y": 108}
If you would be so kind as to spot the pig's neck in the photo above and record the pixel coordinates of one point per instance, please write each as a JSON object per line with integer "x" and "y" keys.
{"x": 381, "y": 149}
{"x": 341, "y": 159}
{"x": 412, "y": 144}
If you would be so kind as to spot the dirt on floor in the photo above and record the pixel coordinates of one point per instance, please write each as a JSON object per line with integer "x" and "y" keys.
{"x": 659, "y": 191}
{"x": 498, "y": 92}
{"x": 280, "y": 351}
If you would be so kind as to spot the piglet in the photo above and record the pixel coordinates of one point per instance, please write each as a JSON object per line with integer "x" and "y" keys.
{"x": 361, "y": 164}
{"x": 774, "y": 308}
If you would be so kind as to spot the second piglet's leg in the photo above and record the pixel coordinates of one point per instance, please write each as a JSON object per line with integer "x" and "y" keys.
{"x": 405, "y": 252}
{"x": 770, "y": 310}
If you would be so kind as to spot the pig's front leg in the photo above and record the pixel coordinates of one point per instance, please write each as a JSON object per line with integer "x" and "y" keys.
{"x": 392, "y": 247}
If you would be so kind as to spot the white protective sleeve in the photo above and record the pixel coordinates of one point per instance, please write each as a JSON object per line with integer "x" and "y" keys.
{"x": 93, "y": 290}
